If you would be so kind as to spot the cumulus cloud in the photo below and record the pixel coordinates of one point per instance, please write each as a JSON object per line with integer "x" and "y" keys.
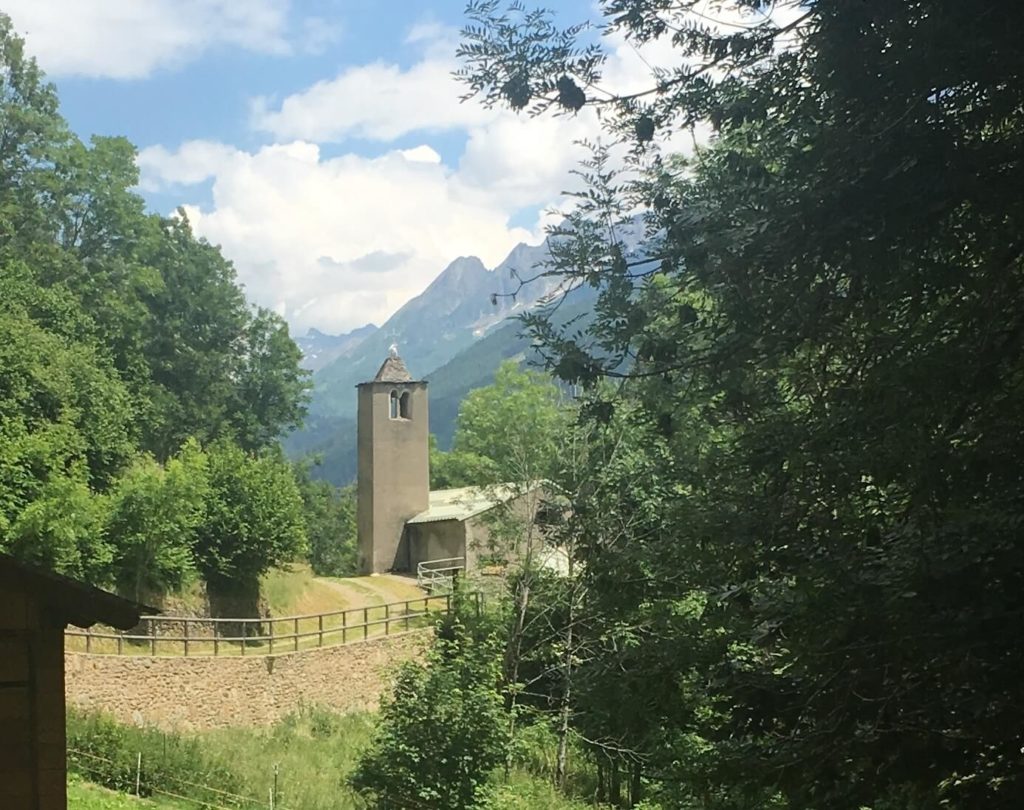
{"x": 421, "y": 154}
{"x": 378, "y": 102}
{"x": 193, "y": 162}
{"x": 334, "y": 242}
{"x": 130, "y": 39}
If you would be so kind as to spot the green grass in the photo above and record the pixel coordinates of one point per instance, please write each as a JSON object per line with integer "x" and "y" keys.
{"x": 530, "y": 793}
{"x": 87, "y": 796}
{"x": 311, "y": 752}
{"x": 308, "y": 756}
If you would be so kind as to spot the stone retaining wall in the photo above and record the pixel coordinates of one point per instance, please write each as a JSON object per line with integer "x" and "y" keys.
{"x": 190, "y": 694}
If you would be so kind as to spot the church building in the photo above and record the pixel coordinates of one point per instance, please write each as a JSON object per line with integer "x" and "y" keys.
{"x": 400, "y": 522}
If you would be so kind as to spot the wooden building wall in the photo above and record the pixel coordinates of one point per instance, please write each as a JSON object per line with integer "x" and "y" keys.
{"x": 32, "y": 737}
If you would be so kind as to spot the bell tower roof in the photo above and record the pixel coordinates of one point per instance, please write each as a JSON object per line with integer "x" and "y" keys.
{"x": 393, "y": 370}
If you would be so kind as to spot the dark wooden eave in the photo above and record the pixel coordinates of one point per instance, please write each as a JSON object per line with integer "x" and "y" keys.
{"x": 67, "y": 600}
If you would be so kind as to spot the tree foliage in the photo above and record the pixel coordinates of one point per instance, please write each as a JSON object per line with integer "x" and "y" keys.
{"x": 330, "y": 520}
{"x": 506, "y": 431}
{"x": 253, "y": 518}
{"x": 443, "y": 730}
{"x": 123, "y": 337}
{"x": 155, "y": 514}
{"x": 807, "y": 567}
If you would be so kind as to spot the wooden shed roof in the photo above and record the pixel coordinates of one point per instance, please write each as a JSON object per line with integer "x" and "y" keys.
{"x": 69, "y": 600}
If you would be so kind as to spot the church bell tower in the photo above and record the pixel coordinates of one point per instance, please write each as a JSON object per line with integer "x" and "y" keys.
{"x": 394, "y": 464}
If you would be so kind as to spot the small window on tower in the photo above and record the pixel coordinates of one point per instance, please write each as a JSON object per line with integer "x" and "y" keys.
{"x": 393, "y": 405}
{"x": 404, "y": 406}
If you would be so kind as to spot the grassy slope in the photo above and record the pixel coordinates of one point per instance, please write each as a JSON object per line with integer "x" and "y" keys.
{"x": 87, "y": 796}
{"x": 308, "y": 756}
{"x": 296, "y": 591}
{"x": 314, "y": 752}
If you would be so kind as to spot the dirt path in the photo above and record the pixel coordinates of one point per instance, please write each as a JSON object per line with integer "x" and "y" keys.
{"x": 357, "y": 592}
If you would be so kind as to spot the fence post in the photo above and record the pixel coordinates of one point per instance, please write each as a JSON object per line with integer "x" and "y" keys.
{"x": 245, "y": 633}
{"x": 406, "y": 615}
{"x": 320, "y": 624}
{"x": 88, "y": 640}
{"x": 185, "y": 622}
{"x": 366, "y": 623}
{"x": 216, "y": 639}
{"x": 271, "y": 623}
{"x": 152, "y": 638}
{"x": 138, "y": 773}
{"x": 344, "y": 627}
{"x": 387, "y": 620}
{"x": 120, "y": 642}
{"x": 295, "y": 636}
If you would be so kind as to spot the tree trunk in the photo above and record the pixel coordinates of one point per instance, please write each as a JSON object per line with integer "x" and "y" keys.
{"x": 635, "y": 785}
{"x": 561, "y": 764}
{"x": 513, "y": 654}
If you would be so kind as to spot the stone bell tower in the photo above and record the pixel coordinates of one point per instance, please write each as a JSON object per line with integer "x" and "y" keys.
{"x": 394, "y": 464}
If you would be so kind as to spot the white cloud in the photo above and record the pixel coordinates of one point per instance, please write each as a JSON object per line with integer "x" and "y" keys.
{"x": 193, "y": 162}
{"x": 421, "y": 154}
{"x": 378, "y": 101}
{"x": 523, "y": 161}
{"x": 384, "y": 101}
{"x": 335, "y": 242}
{"x": 130, "y": 39}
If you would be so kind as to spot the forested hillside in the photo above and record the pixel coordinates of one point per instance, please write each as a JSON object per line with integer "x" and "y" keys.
{"x": 141, "y": 397}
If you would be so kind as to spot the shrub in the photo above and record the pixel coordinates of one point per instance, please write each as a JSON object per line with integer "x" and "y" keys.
{"x": 443, "y": 731}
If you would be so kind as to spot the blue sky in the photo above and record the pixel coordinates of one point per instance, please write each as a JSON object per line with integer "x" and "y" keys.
{"x": 319, "y": 142}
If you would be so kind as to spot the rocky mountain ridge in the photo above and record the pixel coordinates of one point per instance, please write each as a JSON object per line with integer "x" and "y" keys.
{"x": 320, "y": 349}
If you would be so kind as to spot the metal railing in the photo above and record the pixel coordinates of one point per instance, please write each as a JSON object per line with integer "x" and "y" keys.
{"x": 208, "y": 636}
{"x": 432, "y": 574}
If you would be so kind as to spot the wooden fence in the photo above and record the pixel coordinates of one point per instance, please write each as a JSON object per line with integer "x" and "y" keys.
{"x": 181, "y": 635}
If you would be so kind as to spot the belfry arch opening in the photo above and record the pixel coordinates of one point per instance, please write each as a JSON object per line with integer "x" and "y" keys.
{"x": 400, "y": 405}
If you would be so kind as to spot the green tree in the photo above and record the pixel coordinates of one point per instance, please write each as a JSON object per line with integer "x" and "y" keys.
{"x": 509, "y": 430}
{"x": 66, "y": 424}
{"x": 459, "y": 468}
{"x": 63, "y": 529}
{"x": 330, "y": 517}
{"x": 120, "y": 333}
{"x": 253, "y": 521}
{"x": 823, "y": 336}
{"x": 31, "y": 131}
{"x": 155, "y": 511}
{"x": 443, "y": 730}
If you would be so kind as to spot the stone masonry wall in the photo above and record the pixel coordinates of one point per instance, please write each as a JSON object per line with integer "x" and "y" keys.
{"x": 203, "y": 692}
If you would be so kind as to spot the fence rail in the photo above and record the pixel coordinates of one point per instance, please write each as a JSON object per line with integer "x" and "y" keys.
{"x": 186, "y": 635}
{"x": 439, "y": 573}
